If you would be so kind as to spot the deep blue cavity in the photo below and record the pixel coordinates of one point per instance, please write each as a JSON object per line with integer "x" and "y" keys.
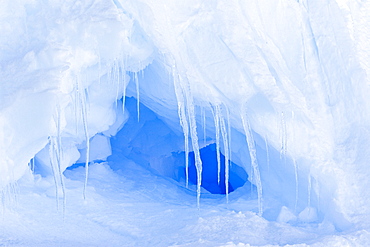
{"x": 237, "y": 176}
{"x": 153, "y": 145}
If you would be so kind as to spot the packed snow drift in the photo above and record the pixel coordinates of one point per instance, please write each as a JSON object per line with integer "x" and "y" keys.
{"x": 185, "y": 123}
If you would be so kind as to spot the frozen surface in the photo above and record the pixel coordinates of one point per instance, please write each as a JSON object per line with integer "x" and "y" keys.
{"x": 133, "y": 207}
{"x": 130, "y": 121}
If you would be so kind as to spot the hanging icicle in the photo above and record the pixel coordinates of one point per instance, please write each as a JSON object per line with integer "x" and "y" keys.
{"x": 59, "y": 155}
{"x": 229, "y": 132}
{"x": 52, "y": 163}
{"x": 77, "y": 105}
{"x": 123, "y": 83}
{"x": 194, "y": 138}
{"x": 187, "y": 120}
{"x": 83, "y": 96}
{"x": 226, "y": 143}
{"x": 253, "y": 156}
{"x": 216, "y": 118}
{"x": 117, "y": 83}
{"x": 183, "y": 121}
{"x": 267, "y": 155}
{"x": 136, "y": 79}
{"x": 56, "y": 157}
{"x": 55, "y": 167}
{"x": 203, "y": 116}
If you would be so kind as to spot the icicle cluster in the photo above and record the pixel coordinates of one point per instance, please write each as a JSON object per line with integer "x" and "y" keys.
{"x": 225, "y": 129}
{"x": 56, "y": 156}
{"x": 186, "y": 114}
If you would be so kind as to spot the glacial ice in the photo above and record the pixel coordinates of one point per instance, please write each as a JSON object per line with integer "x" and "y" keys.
{"x": 274, "y": 93}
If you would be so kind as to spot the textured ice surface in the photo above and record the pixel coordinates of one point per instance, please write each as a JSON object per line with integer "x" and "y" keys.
{"x": 281, "y": 87}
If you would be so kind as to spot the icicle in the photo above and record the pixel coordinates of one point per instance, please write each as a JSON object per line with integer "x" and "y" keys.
{"x": 137, "y": 95}
{"x": 59, "y": 140}
{"x": 229, "y": 134}
{"x": 84, "y": 119}
{"x": 296, "y": 184}
{"x": 183, "y": 122}
{"x": 117, "y": 84}
{"x": 83, "y": 106}
{"x": 253, "y": 156}
{"x": 226, "y": 150}
{"x": 283, "y": 150}
{"x": 77, "y": 104}
{"x": 183, "y": 94}
{"x": 114, "y": 73}
{"x": 123, "y": 95}
{"x": 121, "y": 82}
{"x": 52, "y": 163}
{"x": 56, "y": 157}
{"x": 203, "y": 116}
{"x": 124, "y": 85}
{"x": 216, "y": 118}
{"x": 267, "y": 155}
{"x": 194, "y": 141}
{"x": 59, "y": 156}
{"x": 118, "y": 78}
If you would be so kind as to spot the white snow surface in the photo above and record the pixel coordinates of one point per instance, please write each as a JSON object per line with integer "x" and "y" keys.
{"x": 281, "y": 87}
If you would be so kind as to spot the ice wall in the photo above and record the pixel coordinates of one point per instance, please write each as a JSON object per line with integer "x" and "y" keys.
{"x": 289, "y": 78}
{"x": 63, "y": 68}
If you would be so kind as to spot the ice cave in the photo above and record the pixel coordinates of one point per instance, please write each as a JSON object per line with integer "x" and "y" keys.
{"x": 185, "y": 123}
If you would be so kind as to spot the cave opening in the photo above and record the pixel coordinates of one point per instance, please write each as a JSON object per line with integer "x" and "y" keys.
{"x": 155, "y": 145}
{"x": 152, "y": 143}
{"x": 237, "y": 176}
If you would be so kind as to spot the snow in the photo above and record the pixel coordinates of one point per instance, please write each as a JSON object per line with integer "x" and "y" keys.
{"x": 128, "y": 122}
